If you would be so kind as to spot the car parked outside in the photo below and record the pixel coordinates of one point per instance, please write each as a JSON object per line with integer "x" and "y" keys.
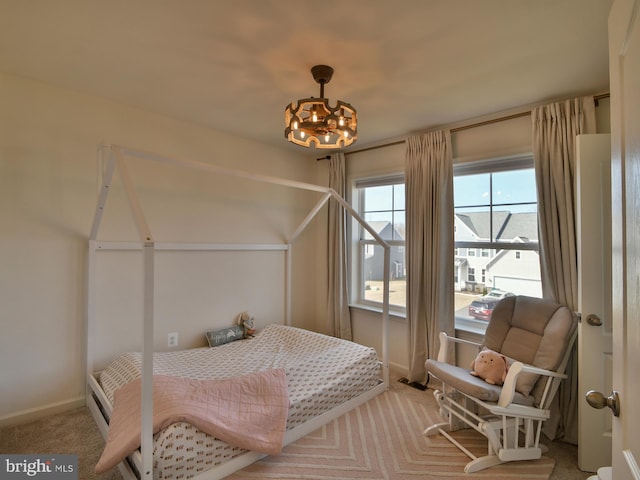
{"x": 495, "y": 293}
{"x": 483, "y": 308}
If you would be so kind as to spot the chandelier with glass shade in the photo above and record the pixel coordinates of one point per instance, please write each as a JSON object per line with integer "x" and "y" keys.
{"x": 313, "y": 122}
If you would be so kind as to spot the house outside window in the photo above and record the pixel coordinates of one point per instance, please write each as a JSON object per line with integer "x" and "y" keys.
{"x": 495, "y": 216}
{"x": 381, "y": 202}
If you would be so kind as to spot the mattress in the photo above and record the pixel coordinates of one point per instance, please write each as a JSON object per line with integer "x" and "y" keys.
{"x": 322, "y": 373}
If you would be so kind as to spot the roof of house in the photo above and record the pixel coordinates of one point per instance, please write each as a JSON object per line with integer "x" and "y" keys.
{"x": 506, "y": 225}
{"x": 478, "y": 222}
{"x": 384, "y": 229}
{"x": 523, "y": 225}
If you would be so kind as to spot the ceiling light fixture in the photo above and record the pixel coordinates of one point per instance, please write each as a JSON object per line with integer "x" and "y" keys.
{"x": 312, "y": 121}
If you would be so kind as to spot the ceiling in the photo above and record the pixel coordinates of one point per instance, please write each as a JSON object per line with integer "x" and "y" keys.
{"x": 233, "y": 65}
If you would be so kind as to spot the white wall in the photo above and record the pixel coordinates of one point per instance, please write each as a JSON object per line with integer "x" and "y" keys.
{"x": 48, "y": 188}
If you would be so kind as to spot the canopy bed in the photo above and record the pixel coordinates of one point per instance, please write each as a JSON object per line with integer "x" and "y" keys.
{"x": 325, "y": 376}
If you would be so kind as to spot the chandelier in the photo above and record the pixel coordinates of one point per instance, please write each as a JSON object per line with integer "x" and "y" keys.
{"x": 313, "y": 121}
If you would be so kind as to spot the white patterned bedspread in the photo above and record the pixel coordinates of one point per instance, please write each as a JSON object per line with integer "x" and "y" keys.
{"x": 322, "y": 372}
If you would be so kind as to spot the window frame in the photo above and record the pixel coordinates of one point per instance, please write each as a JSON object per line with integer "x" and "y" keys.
{"x": 356, "y": 281}
{"x": 496, "y": 165}
{"x": 357, "y": 244}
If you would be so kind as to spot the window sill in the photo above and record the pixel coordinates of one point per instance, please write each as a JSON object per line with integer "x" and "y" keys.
{"x": 393, "y": 315}
{"x": 462, "y": 325}
{"x": 472, "y": 326}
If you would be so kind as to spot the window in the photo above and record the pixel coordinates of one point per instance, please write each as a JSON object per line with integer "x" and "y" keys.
{"x": 495, "y": 217}
{"x": 471, "y": 275}
{"x": 380, "y": 201}
{"x": 495, "y": 223}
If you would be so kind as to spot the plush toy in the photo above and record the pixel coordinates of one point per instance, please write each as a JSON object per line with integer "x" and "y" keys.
{"x": 490, "y": 366}
{"x": 246, "y": 322}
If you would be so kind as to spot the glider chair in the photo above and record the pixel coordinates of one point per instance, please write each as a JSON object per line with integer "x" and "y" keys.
{"x": 536, "y": 337}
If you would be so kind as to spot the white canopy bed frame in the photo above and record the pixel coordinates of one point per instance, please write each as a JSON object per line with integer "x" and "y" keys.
{"x": 116, "y": 159}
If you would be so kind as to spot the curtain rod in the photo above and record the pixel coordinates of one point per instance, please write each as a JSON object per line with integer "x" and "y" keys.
{"x": 596, "y": 98}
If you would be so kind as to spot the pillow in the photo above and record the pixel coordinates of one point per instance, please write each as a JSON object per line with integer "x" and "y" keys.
{"x": 224, "y": 335}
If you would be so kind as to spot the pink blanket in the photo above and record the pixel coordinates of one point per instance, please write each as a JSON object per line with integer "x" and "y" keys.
{"x": 249, "y": 412}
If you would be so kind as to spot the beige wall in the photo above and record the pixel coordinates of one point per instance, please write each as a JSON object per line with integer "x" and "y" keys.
{"x": 48, "y": 189}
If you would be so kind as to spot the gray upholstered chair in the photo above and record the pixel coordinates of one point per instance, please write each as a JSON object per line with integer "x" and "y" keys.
{"x": 536, "y": 337}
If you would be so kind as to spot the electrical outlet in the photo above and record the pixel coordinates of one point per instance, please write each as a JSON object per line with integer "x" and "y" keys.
{"x": 172, "y": 339}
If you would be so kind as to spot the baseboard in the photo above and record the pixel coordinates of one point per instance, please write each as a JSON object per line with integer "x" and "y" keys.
{"x": 403, "y": 370}
{"x": 37, "y": 413}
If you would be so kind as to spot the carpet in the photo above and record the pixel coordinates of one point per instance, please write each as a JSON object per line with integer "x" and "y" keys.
{"x": 382, "y": 439}
{"x": 71, "y": 432}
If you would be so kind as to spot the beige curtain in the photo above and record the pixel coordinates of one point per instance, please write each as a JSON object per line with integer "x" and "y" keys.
{"x": 339, "y": 319}
{"x": 429, "y": 246}
{"x": 555, "y": 127}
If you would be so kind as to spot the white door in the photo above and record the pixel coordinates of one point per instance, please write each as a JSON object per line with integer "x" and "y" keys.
{"x": 593, "y": 200}
{"x": 624, "y": 71}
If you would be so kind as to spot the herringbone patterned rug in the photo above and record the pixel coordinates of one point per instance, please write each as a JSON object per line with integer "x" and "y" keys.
{"x": 382, "y": 439}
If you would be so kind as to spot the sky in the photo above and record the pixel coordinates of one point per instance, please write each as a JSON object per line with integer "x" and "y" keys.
{"x": 510, "y": 187}
{"x": 473, "y": 192}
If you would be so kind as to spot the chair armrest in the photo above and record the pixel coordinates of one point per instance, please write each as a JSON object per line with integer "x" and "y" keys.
{"x": 509, "y": 386}
{"x": 444, "y": 345}
{"x": 542, "y": 371}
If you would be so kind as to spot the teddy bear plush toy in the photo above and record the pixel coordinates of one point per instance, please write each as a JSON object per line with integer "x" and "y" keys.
{"x": 490, "y": 366}
{"x": 246, "y": 322}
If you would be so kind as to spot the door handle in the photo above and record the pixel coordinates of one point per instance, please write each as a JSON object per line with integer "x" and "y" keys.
{"x": 598, "y": 400}
{"x": 594, "y": 320}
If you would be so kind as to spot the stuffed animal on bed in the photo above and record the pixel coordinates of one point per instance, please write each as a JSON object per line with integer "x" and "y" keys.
{"x": 246, "y": 322}
{"x": 490, "y": 366}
